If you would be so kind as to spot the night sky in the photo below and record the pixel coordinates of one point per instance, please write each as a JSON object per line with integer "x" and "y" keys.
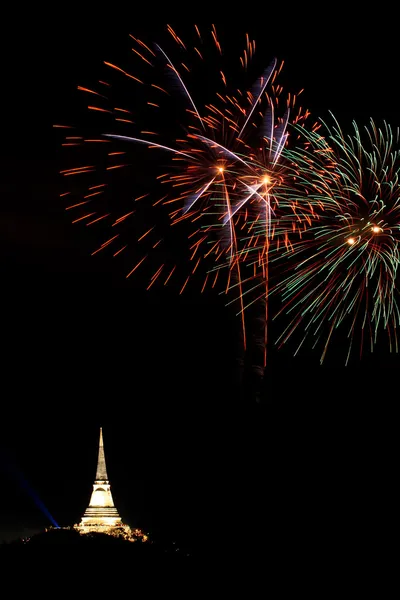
{"x": 83, "y": 347}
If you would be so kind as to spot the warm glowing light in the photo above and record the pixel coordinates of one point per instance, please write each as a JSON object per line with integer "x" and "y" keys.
{"x": 351, "y": 241}
{"x": 266, "y": 180}
{"x": 101, "y": 515}
{"x": 376, "y": 229}
{"x": 221, "y": 170}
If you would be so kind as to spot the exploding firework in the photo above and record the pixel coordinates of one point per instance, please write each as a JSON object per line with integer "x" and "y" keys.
{"x": 212, "y": 162}
{"x": 342, "y": 273}
{"x": 174, "y": 180}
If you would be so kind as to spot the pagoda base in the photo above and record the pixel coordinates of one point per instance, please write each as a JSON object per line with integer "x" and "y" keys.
{"x": 116, "y": 530}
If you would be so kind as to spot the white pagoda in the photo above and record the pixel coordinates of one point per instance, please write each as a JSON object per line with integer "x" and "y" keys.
{"x": 101, "y": 515}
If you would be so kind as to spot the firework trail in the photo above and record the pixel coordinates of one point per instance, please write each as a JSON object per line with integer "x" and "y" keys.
{"x": 171, "y": 183}
{"x": 342, "y": 273}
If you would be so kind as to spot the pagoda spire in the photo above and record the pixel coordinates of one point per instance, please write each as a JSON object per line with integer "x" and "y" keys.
{"x": 101, "y": 472}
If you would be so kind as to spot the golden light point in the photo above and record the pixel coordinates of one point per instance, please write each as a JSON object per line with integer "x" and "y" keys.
{"x": 351, "y": 241}
{"x": 221, "y": 170}
{"x": 376, "y": 229}
{"x": 266, "y": 180}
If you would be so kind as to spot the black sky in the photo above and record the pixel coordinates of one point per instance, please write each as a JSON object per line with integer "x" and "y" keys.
{"x": 84, "y": 348}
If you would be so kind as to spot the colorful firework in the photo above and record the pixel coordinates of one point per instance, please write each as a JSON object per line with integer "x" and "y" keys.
{"x": 342, "y": 274}
{"x": 214, "y": 168}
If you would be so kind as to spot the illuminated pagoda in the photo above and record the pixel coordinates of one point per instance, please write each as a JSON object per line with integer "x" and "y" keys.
{"x": 101, "y": 515}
